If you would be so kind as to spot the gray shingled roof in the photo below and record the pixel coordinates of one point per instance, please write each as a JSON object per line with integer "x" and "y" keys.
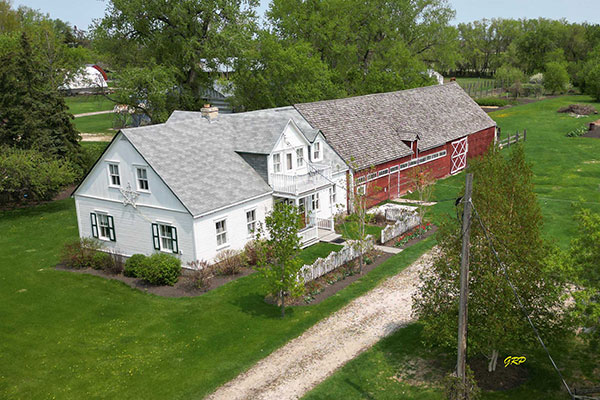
{"x": 370, "y": 129}
{"x": 198, "y": 159}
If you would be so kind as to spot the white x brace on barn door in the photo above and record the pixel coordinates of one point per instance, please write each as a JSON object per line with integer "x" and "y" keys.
{"x": 459, "y": 155}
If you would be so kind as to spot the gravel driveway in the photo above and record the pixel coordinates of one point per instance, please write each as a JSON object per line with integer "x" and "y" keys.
{"x": 304, "y": 362}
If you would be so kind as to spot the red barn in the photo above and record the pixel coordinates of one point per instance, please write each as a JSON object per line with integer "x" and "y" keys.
{"x": 382, "y": 136}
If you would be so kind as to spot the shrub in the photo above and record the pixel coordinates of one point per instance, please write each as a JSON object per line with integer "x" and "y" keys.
{"x": 202, "y": 275}
{"x": 161, "y": 269}
{"x": 591, "y": 78}
{"x": 556, "y": 77}
{"x": 31, "y": 175}
{"x": 229, "y": 262}
{"x": 509, "y": 75}
{"x": 251, "y": 253}
{"x": 379, "y": 218}
{"x": 134, "y": 264}
{"x": 80, "y": 253}
{"x": 102, "y": 261}
{"x": 492, "y": 102}
{"x": 536, "y": 79}
{"x": 116, "y": 266}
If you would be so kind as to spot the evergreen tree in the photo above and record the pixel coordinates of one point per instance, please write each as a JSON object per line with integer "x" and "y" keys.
{"x": 33, "y": 114}
{"x": 503, "y": 198}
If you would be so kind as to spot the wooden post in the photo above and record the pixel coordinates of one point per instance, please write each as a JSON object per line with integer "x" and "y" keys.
{"x": 517, "y": 136}
{"x": 508, "y": 140}
{"x": 461, "y": 363}
{"x": 524, "y": 134}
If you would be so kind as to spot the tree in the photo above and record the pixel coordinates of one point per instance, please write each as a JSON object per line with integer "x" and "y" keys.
{"x": 278, "y": 262}
{"x": 590, "y": 74}
{"x": 556, "y": 77}
{"x": 189, "y": 37}
{"x": 421, "y": 181}
{"x": 585, "y": 259}
{"x": 504, "y": 200}
{"x": 33, "y": 114}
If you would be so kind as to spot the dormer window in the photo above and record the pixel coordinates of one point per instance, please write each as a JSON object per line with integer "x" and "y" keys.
{"x": 317, "y": 151}
{"x": 113, "y": 174}
{"x": 300, "y": 157}
{"x": 276, "y": 163}
{"x": 288, "y": 157}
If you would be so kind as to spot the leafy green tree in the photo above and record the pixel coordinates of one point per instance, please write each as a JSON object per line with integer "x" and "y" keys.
{"x": 590, "y": 75}
{"x": 585, "y": 258}
{"x": 189, "y": 37}
{"x": 503, "y": 198}
{"x": 33, "y": 114}
{"x": 278, "y": 262}
{"x": 275, "y": 73}
{"x": 509, "y": 75}
{"x": 556, "y": 77}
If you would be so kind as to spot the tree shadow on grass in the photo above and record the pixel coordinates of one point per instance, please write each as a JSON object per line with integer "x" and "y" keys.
{"x": 254, "y": 304}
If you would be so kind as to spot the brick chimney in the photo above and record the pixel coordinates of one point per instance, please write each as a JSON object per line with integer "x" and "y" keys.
{"x": 209, "y": 112}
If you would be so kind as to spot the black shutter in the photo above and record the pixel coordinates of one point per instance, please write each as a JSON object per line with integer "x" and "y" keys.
{"x": 155, "y": 237}
{"x": 111, "y": 229}
{"x": 175, "y": 244}
{"x": 94, "y": 225}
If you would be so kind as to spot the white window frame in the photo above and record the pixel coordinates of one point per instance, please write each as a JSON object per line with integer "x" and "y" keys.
{"x": 289, "y": 161}
{"x": 383, "y": 172}
{"x": 221, "y": 236}
{"x": 317, "y": 150}
{"x": 371, "y": 176}
{"x": 394, "y": 169}
{"x": 277, "y": 163}
{"x": 139, "y": 179}
{"x": 162, "y": 236}
{"x": 332, "y": 195}
{"x": 361, "y": 179}
{"x": 251, "y": 224}
{"x": 361, "y": 190}
{"x": 314, "y": 201}
{"x": 103, "y": 225}
{"x": 300, "y": 157}
{"x": 111, "y": 175}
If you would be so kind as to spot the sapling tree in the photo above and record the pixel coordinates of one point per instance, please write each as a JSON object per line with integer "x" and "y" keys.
{"x": 504, "y": 200}
{"x": 421, "y": 181}
{"x": 278, "y": 246}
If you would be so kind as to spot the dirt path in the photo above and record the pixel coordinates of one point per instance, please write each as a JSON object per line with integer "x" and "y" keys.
{"x": 93, "y": 113}
{"x": 304, "y": 362}
{"x": 95, "y": 137}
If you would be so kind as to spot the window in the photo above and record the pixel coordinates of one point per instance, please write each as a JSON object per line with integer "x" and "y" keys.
{"x": 383, "y": 172}
{"x": 251, "y": 221}
{"x": 361, "y": 179}
{"x": 221, "y": 227}
{"x": 361, "y": 190}
{"x": 142, "y": 179}
{"x": 317, "y": 150}
{"x": 276, "y": 163}
{"x": 394, "y": 169}
{"x": 113, "y": 171}
{"x": 332, "y": 192}
{"x": 288, "y": 157}
{"x": 103, "y": 226}
{"x": 165, "y": 237}
{"x": 315, "y": 201}
{"x": 404, "y": 166}
{"x": 300, "y": 157}
{"x": 372, "y": 176}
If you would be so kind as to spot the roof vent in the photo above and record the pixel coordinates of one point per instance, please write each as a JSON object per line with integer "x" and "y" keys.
{"x": 209, "y": 112}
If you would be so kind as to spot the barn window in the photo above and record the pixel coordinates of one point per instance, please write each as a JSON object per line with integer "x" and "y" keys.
{"x": 361, "y": 190}
{"x": 383, "y": 172}
{"x": 394, "y": 169}
{"x": 361, "y": 179}
{"x": 404, "y": 166}
{"x": 371, "y": 176}
{"x": 113, "y": 172}
{"x": 142, "y": 179}
{"x": 221, "y": 227}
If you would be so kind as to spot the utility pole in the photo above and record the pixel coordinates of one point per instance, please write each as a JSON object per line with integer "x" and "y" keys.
{"x": 461, "y": 364}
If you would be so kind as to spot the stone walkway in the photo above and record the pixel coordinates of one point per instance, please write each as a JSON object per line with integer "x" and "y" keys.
{"x": 93, "y": 113}
{"x": 304, "y": 362}
{"x": 388, "y": 249}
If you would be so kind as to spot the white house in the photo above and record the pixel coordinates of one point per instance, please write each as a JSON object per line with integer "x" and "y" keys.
{"x": 90, "y": 79}
{"x": 200, "y": 182}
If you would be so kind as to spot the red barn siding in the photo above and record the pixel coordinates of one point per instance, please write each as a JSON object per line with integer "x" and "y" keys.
{"x": 392, "y": 185}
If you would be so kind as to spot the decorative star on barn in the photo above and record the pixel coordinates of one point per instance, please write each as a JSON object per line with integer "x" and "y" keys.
{"x": 129, "y": 196}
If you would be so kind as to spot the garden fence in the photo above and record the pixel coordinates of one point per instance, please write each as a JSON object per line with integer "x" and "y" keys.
{"x": 510, "y": 139}
{"x": 336, "y": 259}
{"x": 401, "y": 226}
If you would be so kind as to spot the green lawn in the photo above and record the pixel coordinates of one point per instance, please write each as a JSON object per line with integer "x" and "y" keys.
{"x": 349, "y": 230}
{"x": 72, "y": 336}
{"x": 102, "y": 123}
{"x": 321, "y": 249}
{"x": 86, "y": 104}
{"x": 566, "y": 170}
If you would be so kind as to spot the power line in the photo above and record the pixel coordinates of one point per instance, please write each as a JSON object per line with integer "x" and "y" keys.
{"x": 514, "y": 290}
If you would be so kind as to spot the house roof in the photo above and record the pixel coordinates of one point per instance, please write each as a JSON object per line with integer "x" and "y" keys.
{"x": 198, "y": 159}
{"x": 369, "y": 130}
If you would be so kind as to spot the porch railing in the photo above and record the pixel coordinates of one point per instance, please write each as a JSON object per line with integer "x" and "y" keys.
{"x": 322, "y": 223}
{"x": 308, "y": 235}
{"x": 315, "y": 176}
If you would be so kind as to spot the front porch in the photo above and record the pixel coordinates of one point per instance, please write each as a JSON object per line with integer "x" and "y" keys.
{"x": 313, "y": 234}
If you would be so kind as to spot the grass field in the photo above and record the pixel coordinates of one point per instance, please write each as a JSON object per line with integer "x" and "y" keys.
{"x": 349, "y": 230}
{"x": 101, "y": 124}
{"x": 566, "y": 170}
{"x": 73, "y": 336}
{"x": 86, "y": 104}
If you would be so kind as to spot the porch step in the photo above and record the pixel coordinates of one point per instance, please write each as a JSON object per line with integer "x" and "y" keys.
{"x": 309, "y": 242}
{"x": 330, "y": 237}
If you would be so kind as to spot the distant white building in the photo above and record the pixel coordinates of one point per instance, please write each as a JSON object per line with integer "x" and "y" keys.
{"x": 201, "y": 182}
{"x": 434, "y": 74}
{"x": 90, "y": 79}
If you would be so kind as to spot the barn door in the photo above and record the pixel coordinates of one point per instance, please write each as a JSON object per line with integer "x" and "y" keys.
{"x": 459, "y": 155}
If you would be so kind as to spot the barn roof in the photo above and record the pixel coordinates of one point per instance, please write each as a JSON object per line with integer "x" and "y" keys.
{"x": 199, "y": 159}
{"x": 369, "y": 130}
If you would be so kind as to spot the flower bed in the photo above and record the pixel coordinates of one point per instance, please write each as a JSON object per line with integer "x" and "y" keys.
{"x": 416, "y": 233}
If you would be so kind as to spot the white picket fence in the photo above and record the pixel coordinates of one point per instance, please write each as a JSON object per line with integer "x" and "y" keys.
{"x": 335, "y": 259}
{"x": 408, "y": 222}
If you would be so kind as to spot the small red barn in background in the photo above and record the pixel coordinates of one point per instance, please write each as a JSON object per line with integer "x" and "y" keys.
{"x": 382, "y": 136}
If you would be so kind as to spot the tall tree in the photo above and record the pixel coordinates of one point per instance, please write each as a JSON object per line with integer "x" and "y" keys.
{"x": 190, "y": 37}
{"x": 503, "y": 198}
{"x": 33, "y": 114}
